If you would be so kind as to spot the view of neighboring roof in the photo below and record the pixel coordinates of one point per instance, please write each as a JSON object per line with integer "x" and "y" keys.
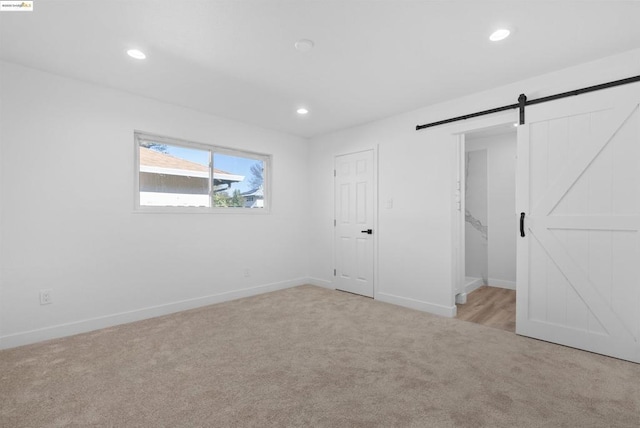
{"x": 254, "y": 192}
{"x": 154, "y": 158}
{"x": 156, "y": 162}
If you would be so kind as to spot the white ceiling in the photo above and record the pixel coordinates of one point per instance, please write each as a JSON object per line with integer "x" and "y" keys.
{"x": 372, "y": 59}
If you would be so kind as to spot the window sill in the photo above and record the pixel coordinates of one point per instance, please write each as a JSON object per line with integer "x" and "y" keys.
{"x": 194, "y": 210}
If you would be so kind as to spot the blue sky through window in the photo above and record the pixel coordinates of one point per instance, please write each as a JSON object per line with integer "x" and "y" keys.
{"x": 232, "y": 164}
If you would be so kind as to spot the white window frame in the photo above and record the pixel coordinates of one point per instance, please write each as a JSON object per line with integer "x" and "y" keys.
{"x": 266, "y": 159}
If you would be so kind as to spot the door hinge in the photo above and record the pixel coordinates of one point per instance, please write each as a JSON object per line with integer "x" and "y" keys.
{"x": 334, "y": 272}
{"x": 334, "y": 222}
{"x": 334, "y": 172}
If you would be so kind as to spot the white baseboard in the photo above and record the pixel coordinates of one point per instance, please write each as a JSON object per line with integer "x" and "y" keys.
{"x": 472, "y": 284}
{"x": 83, "y": 326}
{"x": 321, "y": 283}
{"x": 445, "y": 311}
{"x": 502, "y": 283}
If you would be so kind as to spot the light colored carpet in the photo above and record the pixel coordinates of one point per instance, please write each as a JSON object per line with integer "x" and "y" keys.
{"x": 312, "y": 357}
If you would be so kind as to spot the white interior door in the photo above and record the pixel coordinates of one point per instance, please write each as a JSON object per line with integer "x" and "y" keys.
{"x": 578, "y": 281}
{"x": 354, "y": 222}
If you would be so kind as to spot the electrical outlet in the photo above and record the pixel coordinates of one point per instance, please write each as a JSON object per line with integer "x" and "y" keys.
{"x": 247, "y": 272}
{"x": 45, "y": 297}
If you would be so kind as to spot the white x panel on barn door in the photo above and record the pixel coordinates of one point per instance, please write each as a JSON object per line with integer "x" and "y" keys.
{"x": 579, "y": 186}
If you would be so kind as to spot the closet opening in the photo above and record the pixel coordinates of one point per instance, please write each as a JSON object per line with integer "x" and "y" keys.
{"x": 487, "y": 294}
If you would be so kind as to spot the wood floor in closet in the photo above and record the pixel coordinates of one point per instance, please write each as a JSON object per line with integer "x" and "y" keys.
{"x": 490, "y": 306}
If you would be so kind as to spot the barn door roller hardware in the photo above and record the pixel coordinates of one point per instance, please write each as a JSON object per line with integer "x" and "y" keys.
{"x": 523, "y": 102}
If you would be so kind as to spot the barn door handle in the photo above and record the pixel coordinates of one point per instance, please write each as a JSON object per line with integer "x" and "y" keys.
{"x": 368, "y": 231}
{"x": 522, "y": 224}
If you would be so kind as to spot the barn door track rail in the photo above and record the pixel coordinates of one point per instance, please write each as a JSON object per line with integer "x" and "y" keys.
{"x": 523, "y": 102}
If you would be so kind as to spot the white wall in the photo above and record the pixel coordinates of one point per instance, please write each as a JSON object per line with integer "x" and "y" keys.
{"x": 68, "y": 222}
{"x": 410, "y": 174}
{"x": 501, "y": 206}
{"x": 476, "y": 213}
{"x": 417, "y": 169}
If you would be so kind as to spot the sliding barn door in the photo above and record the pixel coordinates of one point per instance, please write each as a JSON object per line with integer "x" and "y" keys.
{"x": 579, "y": 189}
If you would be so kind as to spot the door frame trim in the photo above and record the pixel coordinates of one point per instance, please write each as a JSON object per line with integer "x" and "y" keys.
{"x": 457, "y": 133}
{"x": 374, "y": 150}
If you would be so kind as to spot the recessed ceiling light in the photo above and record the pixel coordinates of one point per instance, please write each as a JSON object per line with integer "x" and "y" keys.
{"x": 135, "y": 53}
{"x": 302, "y": 111}
{"x": 515, "y": 124}
{"x": 303, "y": 45}
{"x": 499, "y": 34}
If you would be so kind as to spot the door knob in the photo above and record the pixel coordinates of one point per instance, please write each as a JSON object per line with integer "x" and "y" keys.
{"x": 368, "y": 231}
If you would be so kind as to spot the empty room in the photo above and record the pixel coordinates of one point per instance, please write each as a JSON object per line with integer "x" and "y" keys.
{"x": 347, "y": 213}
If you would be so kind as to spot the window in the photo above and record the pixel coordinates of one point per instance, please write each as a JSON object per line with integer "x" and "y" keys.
{"x": 173, "y": 174}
